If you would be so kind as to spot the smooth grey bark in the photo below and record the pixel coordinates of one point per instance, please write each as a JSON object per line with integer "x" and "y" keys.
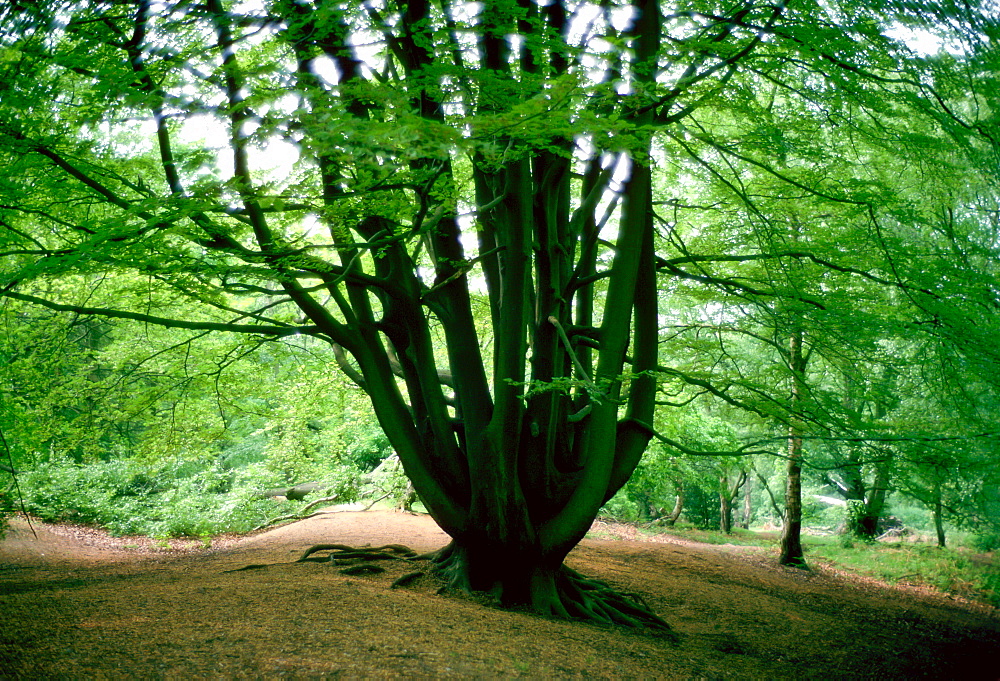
{"x": 791, "y": 532}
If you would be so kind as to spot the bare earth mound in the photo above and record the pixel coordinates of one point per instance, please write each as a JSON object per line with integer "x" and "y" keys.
{"x": 75, "y": 603}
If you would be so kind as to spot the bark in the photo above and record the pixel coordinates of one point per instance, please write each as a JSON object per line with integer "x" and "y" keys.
{"x": 938, "y": 513}
{"x": 747, "y": 504}
{"x": 791, "y": 539}
{"x": 779, "y": 513}
{"x": 295, "y": 493}
{"x": 727, "y": 496}
{"x": 725, "y": 507}
{"x": 791, "y": 533}
{"x": 678, "y": 506}
{"x": 871, "y": 506}
{"x": 541, "y": 583}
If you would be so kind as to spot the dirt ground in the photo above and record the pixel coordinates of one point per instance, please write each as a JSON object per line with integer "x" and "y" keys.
{"x": 77, "y": 604}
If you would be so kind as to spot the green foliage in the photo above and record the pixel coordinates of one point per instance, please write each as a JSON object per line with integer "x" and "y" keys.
{"x": 701, "y": 507}
{"x": 738, "y": 537}
{"x": 388, "y": 482}
{"x": 959, "y": 571}
{"x": 987, "y": 539}
{"x": 621, "y": 508}
{"x": 8, "y": 504}
{"x": 366, "y": 446}
{"x": 854, "y": 511}
{"x": 817, "y": 514}
{"x": 154, "y": 432}
{"x": 170, "y": 498}
{"x": 653, "y": 488}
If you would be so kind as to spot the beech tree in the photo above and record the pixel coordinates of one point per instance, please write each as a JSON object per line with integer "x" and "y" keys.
{"x": 458, "y": 198}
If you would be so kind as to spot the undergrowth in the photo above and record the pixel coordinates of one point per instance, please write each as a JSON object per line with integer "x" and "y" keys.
{"x": 965, "y": 571}
{"x": 961, "y": 571}
{"x": 174, "y": 498}
{"x": 739, "y": 536}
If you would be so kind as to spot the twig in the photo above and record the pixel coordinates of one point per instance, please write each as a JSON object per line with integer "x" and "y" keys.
{"x": 369, "y": 506}
{"x": 300, "y": 515}
{"x": 312, "y": 504}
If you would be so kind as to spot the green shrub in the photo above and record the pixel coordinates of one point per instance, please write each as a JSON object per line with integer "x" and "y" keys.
{"x": 738, "y": 536}
{"x": 366, "y": 450}
{"x": 701, "y": 507}
{"x": 986, "y": 539}
{"x": 913, "y": 516}
{"x": 620, "y": 508}
{"x": 950, "y": 570}
{"x": 177, "y": 497}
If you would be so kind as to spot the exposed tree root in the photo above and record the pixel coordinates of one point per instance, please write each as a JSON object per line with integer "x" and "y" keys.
{"x": 362, "y": 570}
{"x": 562, "y": 593}
{"x": 558, "y": 592}
{"x": 408, "y": 578}
{"x": 592, "y": 599}
{"x": 343, "y": 552}
{"x": 255, "y": 566}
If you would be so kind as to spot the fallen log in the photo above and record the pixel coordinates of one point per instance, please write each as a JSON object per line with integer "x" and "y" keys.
{"x": 295, "y": 493}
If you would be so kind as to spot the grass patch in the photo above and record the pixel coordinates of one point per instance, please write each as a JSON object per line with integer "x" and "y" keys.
{"x": 958, "y": 571}
{"x": 962, "y": 571}
{"x": 739, "y": 537}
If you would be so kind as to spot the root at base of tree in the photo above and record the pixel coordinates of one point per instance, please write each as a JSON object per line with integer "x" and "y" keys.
{"x": 408, "y": 578}
{"x": 562, "y": 594}
{"x": 594, "y": 600}
{"x": 343, "y": 552}
{"x": 355, "y": 559}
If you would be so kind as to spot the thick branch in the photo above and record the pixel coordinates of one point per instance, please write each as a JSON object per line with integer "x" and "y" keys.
{"x": 165, "y": 321}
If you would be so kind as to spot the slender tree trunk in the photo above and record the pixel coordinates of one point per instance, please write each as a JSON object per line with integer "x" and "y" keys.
{"x": 727, "y": 496}
{"x": 678, "y": 506}
{"x": 791, "y": 539}
{"x": 725, "y": 505}
{"x": 938, "y": 513}
{"x": 778, "y": 512}
{"x": 747, "y": 503}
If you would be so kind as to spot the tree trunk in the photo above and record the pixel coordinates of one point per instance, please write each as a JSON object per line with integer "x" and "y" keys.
{"x": 727, "y": 495}
{"x": 869, "y": 511}
{"x": 541, "y": 583}
{"x": 779, "y": 513}
{"x": 747, "y": 503}
{"x": 678, "y": 506}
{"x": 938, "y": 514}
{"x": 791, "y": 539}
{"x": 725, "y": 505}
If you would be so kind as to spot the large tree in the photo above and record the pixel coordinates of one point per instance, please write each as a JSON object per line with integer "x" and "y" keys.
{"x": 469, "y": 221}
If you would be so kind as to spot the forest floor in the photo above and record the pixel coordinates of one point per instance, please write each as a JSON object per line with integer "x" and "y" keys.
{"x": 76, "y": 603}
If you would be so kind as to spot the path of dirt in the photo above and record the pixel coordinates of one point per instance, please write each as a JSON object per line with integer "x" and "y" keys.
{"x": 76, "y": 604}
